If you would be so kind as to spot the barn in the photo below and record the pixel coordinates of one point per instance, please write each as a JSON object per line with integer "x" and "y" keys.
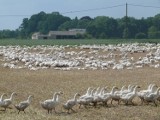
{"x": 70, "y": 34}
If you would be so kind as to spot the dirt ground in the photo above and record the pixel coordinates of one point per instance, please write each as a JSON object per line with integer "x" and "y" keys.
{"x": 43, "y": 83}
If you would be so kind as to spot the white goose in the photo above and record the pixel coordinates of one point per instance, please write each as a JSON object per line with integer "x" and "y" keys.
{"x": 87, "y": 99}
{"x": 24, "y": 104}
{"x": 117, "y": 94}
{"x": 87, "y": 93}
{"x": 108, "y": 96}
{"x": 70, "y": 103}
{"x": 130, "y": 89}
{"x": 129, "y": 97}
{"x": 152, "y": 97}
{"x": 7, "y": 102}
{"x": 50, "y": 104}
{"x": 98, "y": 97}
{"x": 141, "y": 94}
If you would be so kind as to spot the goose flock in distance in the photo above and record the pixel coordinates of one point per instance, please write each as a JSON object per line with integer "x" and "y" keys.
{"x": 82, "y": 57}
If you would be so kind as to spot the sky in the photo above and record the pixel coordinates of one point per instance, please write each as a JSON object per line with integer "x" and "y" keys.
{"x": 12, "y": 12}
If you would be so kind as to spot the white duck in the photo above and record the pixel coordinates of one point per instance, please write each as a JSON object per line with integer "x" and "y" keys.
{"x": 70, "y": 103}
{"x": 129, "y": 96}
{"x": 24, "y": 104}
{"x": 152, "y": 97}
{"x": 7, "y": 102}
{"x": 50, "y": 104}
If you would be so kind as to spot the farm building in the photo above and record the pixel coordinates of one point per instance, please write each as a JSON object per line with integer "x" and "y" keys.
{"x": 71, "y": 34}
{"x": 38, "y": 35}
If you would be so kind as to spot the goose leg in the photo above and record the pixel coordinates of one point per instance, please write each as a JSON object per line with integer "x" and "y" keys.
{"x": 5, "y": 109}
{"x": 48, "y": 111}
{"x": 155, "y": 103}
{"x": 68, "y": 111}
{"x": 24, "y": 111}
{"x": 111, "y": 101}
{"x": 106, "y": 104}
{"x": 18, "y": 111}
{"x": 55, "y": 110}
{"x": 73, "y": 110}
{"x": 95, "y": 104}
{"x": 79, "y": 106}
{"x": 126, "y": 102}
{"x": 118, "y": 102}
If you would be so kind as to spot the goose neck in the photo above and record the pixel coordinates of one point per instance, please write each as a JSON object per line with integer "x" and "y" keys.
{"x": 1, "y": 98}
{"x": 157, "y": 91}
{"x": 29, "y": 99}
{"x": 55, "y": 96}
{"x": 75, "y": 97}
{"x": 12, "y": 96}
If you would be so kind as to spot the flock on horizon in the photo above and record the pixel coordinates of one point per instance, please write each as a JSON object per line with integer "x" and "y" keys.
{"x": 93, "y": 97}
{"x": 82, "y": 57}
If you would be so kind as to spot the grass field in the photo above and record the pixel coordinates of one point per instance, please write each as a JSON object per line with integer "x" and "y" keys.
{"x": 73, "y": 42}
{"x": 43, "y": 83}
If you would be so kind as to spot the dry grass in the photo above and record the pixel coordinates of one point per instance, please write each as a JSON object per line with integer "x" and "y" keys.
{"x": 43, "y": 83}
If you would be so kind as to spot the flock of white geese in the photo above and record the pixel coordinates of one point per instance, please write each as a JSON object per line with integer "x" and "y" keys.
{"x": 92, "y": 97}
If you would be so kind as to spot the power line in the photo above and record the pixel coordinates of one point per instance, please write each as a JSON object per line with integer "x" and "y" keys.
{"x": 144, "y": 6}
{"x": 86, "y": 10}
{"x": 15, "y": 15}
{"x": 94, "y": 9}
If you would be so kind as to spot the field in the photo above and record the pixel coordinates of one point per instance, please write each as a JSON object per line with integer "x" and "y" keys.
{"x": 43, "y": 83}
{"x": 73, "y": 42}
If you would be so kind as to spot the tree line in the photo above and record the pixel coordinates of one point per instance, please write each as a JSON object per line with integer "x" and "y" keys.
{"x": 100, "y": 27}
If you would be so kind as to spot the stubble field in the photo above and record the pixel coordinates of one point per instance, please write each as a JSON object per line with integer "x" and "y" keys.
{"x": 43, "y": 83}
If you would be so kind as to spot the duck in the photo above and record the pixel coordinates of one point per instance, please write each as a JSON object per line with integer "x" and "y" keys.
{"x": 129, "y": 96}
{"x": 70, "y": 103}
{"x": 51, "y": 104}
{"x": 7, "y": 102}
{"x": 152, "y": 97}
{"x": 24, "y": 104}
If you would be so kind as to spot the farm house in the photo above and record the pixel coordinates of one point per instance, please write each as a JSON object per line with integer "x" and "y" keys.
{"x": 71, "y": 34}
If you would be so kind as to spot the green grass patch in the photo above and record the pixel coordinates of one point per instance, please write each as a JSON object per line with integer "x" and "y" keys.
{"x": 29, "y": 42}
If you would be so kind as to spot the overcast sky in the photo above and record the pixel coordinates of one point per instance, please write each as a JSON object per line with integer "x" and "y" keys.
{"x": 10, "y": 8}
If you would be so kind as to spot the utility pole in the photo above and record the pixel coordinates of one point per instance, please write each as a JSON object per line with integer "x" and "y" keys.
{"x": 127, "y": 31}
{"x": 126, "y": 10}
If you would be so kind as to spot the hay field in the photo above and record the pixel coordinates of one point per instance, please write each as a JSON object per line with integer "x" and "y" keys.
{"x": 43, "y": 83}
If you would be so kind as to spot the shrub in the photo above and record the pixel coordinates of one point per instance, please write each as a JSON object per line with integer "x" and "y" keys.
{"x": 140, "y": 36}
